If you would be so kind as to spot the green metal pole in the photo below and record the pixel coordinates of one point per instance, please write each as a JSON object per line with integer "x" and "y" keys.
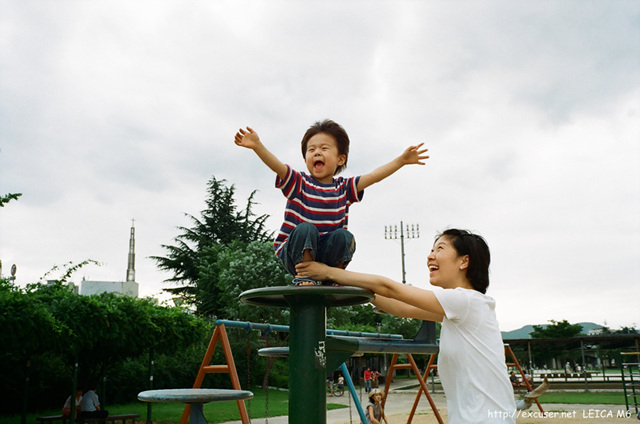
{"x": 25, "y": 399}
{"x": 74, "y": 388}
{"x": 149, "y": 421}
{"x": 307, "y": 360}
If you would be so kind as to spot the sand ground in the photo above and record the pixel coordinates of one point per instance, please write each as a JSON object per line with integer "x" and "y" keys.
{"x": 399, "y": 405}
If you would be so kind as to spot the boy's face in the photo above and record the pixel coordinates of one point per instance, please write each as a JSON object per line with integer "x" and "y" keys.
{"x": 323, "y": 158}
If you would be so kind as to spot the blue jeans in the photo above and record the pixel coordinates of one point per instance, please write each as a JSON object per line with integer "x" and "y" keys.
{"x": 334, "y": 249}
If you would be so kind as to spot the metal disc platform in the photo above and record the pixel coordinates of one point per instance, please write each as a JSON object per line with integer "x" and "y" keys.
{"x": 327, "y": 296}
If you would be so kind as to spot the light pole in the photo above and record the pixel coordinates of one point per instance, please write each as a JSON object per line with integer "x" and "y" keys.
{"x": 391, "y": 233}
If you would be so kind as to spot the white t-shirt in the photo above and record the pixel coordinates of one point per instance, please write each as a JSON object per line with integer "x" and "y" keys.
{"x": 471, "y": 362}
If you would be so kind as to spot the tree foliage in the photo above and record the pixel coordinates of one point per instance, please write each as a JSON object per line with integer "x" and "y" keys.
{"x": 49, "y": 324}
{"x": 244, "y": 267}
{"x": 8, "y": 197}
{"x": 557, "y": 329}
{"x": 194, "y": 256}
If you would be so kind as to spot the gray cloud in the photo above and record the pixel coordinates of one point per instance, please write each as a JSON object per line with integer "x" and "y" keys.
{"x": 120, "y": 110}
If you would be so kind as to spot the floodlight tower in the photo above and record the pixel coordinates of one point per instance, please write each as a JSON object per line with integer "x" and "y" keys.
{"x": 391, "y": 233}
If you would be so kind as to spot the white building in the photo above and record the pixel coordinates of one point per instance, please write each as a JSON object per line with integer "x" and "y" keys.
{"x": 129, "y": 287}
{"x": 125, "y": 288}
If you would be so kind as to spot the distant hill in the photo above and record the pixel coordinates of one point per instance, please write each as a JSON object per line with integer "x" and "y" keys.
{"x": 523, "y": 333}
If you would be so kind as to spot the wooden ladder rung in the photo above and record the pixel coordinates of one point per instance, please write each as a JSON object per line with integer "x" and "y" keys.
{"x": 402, "y": 366}
{"x": 216, "y": 368}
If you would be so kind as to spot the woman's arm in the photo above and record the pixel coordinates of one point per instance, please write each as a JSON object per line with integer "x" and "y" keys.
{"x": 404, "y": 310}
{"x": 372, "y": 416}
{"x": 420, "y": 303}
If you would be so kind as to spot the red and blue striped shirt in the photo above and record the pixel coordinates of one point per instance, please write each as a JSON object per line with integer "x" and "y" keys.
{"x": 324, "y": 205}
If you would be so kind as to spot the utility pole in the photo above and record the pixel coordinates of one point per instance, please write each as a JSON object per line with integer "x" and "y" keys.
{"x": 391, "y": 233}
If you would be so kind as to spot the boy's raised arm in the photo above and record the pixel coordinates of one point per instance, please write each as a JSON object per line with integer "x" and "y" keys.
{"x": 249, "y": 138}
{"x": 412, "y": 155}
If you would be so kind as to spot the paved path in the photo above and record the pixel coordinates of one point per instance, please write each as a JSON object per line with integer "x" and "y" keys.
{"x": 400, "y": 403}
{"x": 397, "y": 403}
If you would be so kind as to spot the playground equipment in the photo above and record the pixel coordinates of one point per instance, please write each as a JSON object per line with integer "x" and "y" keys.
{"x": 220, "y": 336}
{"x": 308, "y": 354}
{"x": 631, "y": 380}
{"x": 423, "y": 343}
{"x": 195, "y": 398}
{"x": 315, "y": 351}
{"x": 508, "y": 352}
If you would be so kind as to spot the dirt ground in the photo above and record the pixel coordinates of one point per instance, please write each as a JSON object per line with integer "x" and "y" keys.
{"x": 566, "y": 414}
{"x": 400, "y": 404}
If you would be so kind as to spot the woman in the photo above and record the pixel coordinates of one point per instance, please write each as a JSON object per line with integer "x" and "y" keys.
{"x": 471, "y": 362}
{"x": 375, "y": 413}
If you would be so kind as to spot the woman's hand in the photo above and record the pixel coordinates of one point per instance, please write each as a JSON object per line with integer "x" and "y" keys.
{"x": 316, "y": 270}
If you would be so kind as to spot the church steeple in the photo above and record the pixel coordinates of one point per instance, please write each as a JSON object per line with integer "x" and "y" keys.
{"x": 131, "y": 266}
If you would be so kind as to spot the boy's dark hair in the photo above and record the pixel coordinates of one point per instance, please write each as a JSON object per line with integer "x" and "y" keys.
{"x": 336, "y": 131}
{"x": 473, "y": 245}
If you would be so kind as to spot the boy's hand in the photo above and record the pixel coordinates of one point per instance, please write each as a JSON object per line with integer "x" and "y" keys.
{"x": 248, "y": 138}
{"x": 413, "y": 155}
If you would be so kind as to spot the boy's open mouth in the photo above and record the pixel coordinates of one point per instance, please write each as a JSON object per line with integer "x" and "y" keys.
{"x": 318, "y": 164}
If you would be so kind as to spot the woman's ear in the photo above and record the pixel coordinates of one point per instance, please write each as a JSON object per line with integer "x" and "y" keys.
{"x": 464, "y": 262}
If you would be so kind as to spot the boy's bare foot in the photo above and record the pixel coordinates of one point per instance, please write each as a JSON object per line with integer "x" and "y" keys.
{"x": 304, "y": 281}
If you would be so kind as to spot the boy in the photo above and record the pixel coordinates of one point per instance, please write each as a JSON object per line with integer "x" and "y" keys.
{"x": 317, "y": 211}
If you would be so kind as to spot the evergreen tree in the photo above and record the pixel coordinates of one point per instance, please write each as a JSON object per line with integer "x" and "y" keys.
{"x": 195, "y": 252}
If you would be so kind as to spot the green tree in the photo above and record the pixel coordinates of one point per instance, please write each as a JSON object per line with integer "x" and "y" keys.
{"x": 8, "y": 197}
{"x": 26, "y": 326}
{"x": 557, "y": 329}
{"x": 195, "y": 251}
{"x": 243, "y": 267}
{"x": 51, "y": 327}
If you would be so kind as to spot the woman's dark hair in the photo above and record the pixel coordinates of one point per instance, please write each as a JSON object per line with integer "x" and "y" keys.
{"x": 336, "y": 131}
{"x": 477, "y": 249}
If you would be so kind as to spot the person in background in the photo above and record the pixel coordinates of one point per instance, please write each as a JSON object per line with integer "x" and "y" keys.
{"x": 374, "y": 412}
{"x": 91, "y": 404}
{"x": 367, "y": 379}
{"x": 66, "y": 409}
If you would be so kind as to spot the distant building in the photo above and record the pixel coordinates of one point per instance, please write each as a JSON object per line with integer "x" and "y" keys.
{"x": 125, "y": 288}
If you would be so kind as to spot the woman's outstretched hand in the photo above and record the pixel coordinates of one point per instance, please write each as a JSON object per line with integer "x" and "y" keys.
{"x": 316, "y": 270}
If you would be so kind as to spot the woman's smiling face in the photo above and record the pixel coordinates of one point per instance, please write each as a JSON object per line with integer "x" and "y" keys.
{"x": 445, "y": 265}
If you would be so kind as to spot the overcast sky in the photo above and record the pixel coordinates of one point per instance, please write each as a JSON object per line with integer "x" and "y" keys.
{"x": 120, "y": 110}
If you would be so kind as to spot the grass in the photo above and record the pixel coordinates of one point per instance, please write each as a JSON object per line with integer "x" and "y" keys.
{"x": 170, "y": 413}
{"x": 582, "y": 398}
{"x": 216, "y": 412}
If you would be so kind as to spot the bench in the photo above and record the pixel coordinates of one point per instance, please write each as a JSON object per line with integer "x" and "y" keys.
{"x": 53, "y": 418}
{"x": 110, "y": 419}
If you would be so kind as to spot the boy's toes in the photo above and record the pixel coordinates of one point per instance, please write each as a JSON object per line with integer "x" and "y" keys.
{"x": 304, "y": 281}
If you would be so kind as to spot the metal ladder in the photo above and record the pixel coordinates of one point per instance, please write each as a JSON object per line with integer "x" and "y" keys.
{"x": 631, "y": 379}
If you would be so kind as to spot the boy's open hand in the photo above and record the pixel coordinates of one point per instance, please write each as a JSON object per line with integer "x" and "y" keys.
{"x": 248, "y": 138}
{"x": 413, "y": 155}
